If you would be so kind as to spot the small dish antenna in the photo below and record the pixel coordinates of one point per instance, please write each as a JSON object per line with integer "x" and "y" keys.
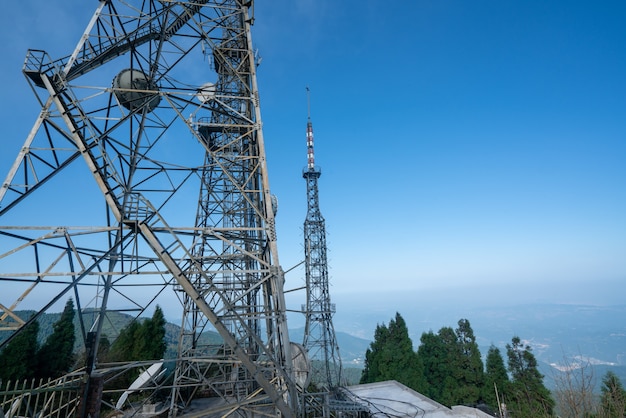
{"x": 206, "y": 92}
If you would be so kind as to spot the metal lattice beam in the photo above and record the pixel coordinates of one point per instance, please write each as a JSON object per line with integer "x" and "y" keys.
{"x": 131, "y": 107}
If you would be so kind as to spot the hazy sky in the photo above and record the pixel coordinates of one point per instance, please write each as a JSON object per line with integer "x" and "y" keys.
{"x": 467, "y": 147}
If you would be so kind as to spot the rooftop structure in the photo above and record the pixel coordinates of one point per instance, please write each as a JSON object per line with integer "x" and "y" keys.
{"x": 390, "y": 398}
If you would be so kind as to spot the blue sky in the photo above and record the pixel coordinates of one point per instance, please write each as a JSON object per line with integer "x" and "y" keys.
{"x": 466, "y": 146}
{"x": 463, "y": 144}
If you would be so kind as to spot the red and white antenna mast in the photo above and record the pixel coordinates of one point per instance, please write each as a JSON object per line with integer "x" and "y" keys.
{"x": 309, "y": 134}
{"x": 319, "y": 334}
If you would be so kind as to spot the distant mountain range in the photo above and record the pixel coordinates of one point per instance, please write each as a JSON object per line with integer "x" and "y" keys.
{"x": 561, "y": 335}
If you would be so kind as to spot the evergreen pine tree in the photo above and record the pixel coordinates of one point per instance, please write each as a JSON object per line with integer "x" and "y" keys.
{"x": 406, "y": 367}
{"x": 613, "y": 399}
{"x": 435, "y": 356}
{"x": 496, "y": 378}
{"x": 528, "y": 395}
{"x": 140, "y": 340}
{"x": 391, "y": 356}
{"x": 123, "y": 348}
{"x": 372, "y": 372}
{"x": 18, "y": 359}
{"x": 56, "y": 356}
{"x": 451, "y": 367}
{"x": 156, "y": 346}
{"x": 469, "y": 367}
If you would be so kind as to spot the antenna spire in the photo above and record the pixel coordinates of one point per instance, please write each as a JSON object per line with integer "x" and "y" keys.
{"x": 308, "y": 102}
{"x": 319, "y": 340}
{"x": 309, "y": 134}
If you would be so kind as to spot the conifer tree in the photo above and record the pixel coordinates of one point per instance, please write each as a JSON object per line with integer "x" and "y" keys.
{"x": 450, "y": 367}
{"x": 372, "y": 368}
{"x": 391, "y": 356}
{"x": 140, "y": 340}
{"x": 452, "y": 364}
{"x": 123, "y": 348}
{"x": 429, "y": 353}
{"x": 469, "y": 367}
{"x": 18, "y": 359}
{"x": 56, "y": 356}
{"x": 496, "y": 378}
{"x": 155, "y": 332}
{"x": 435, "y": 354}
{"x": 528, "y": 395}
{"x": 613, "y": 399}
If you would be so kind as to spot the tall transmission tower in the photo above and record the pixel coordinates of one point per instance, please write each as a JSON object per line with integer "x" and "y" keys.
{"x": 319, "y": 333}
{"x": 156, "y": 105}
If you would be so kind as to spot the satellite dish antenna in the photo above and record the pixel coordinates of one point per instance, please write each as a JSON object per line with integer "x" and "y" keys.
{"x": 153, "y": 373}
{"x": 135, "y": 90}
{"x": 301, "y": 365}
{"x": 206, "y": 92}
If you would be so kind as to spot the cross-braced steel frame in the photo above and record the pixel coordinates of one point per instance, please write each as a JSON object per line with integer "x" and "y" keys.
{"x": 319, "y": 332}
{"x": 131, "y": 109}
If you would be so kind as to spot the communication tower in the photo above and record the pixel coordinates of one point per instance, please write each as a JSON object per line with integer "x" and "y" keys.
{"x": 144, "y": 181}
{"x": 319, "y": 332}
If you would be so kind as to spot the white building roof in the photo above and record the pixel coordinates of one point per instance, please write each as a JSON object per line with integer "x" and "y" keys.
{"x": 391, "y": 398}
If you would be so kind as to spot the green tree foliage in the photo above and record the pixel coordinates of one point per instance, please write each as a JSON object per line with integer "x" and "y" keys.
{"x": 18, "y": 359}
{"x": 469, "y": 368}
{"x": 154, "y": 332}
{"x": 527, "y": 397}
{"x": 450, "y": 355}
{"x": 140, "y": 340}
{"x": 613, "y": 399}
{"x": 56, "y": 356}
{"x": 374, "y": 368}
{"x": 453, "y": 367}
{"x": 433, "y": 355}
{"x": 124, "y": 346}
{"x": 391, "y": 356}
{"x": 448, "y": 368}
{"x": 496, "y": 378}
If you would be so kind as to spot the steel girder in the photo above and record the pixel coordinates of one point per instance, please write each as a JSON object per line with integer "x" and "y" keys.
{"x": 98, "y": 204}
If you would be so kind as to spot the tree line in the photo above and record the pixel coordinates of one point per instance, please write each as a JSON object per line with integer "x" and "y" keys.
{"x": 25, "y": 358}
{"x": 448, "y": 368}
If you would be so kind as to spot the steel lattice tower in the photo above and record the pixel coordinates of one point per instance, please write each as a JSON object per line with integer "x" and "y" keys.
{"x": 157, "y": 102}
{"x": 319, "y": 333}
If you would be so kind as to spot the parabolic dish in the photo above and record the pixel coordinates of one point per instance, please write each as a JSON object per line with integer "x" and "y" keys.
{"x": 134, "y": 90}
{"x": 301, "y": 365}
{"x": 206, "y": 92}
{"x": 153, "y": 374}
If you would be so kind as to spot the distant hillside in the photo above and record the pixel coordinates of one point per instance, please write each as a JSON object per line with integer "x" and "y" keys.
{"x": 351, "y": 349}
{"x": 114, "y": 322}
